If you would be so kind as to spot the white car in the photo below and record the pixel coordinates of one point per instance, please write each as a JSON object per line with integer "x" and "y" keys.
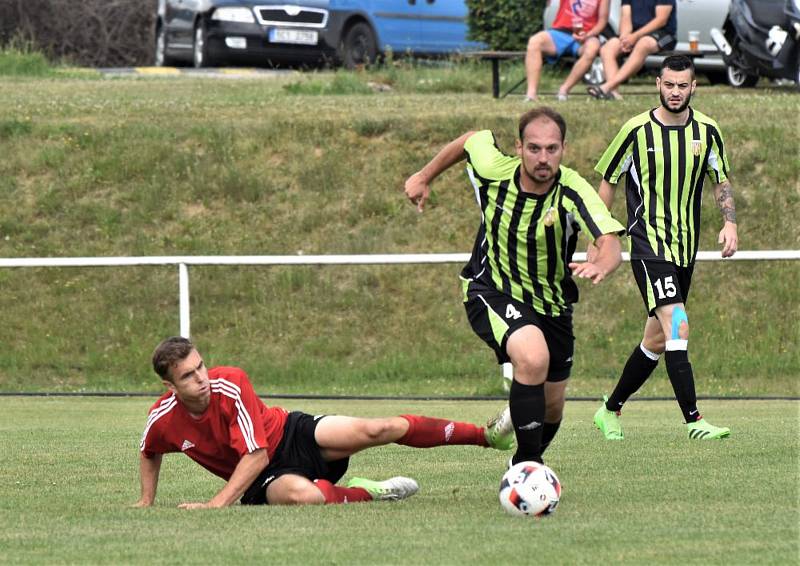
{"x": 693, "y": 15}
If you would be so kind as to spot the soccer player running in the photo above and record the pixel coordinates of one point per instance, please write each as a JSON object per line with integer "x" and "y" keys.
{"x": 268, "y": 455}
{"x": 518, "y": 287}
{"x": 666, "y": 152}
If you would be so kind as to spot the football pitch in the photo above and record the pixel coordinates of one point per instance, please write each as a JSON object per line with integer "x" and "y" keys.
{"x": 70, "y": 473}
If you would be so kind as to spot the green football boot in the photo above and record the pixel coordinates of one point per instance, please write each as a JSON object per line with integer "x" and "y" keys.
{"x": 704, "y": 430}
{"x": 608, "y": 422}
{"x": 392, "y": 489}
{"x": 499, "y": 431}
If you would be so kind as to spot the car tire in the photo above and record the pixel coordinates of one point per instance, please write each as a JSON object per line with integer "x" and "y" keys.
{"x": 738, "y": 78}
{"x": 717, "y": 77}
{"x": 161, "y": 57}
{"x": 359, "y": 46}
{"x": 797, "y": 76}
{"x": 201, "y": 56}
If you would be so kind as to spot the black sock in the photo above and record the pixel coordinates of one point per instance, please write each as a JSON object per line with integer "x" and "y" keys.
{"x": 680, "y": 375}
{"x": 527, "y": 413}
{"x": 638, "y": 368}
{"x": 549, "y": 430}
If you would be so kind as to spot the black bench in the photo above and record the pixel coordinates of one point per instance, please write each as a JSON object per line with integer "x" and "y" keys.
{"x": 494, "y": 57}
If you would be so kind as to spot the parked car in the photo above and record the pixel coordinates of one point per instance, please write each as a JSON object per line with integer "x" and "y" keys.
{"x": 212, "y": 32}
{"x": 693, "y": 15}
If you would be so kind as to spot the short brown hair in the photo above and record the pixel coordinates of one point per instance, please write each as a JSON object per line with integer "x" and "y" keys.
{"x": 170, "y": 352}
{"x": 542, "y": 112}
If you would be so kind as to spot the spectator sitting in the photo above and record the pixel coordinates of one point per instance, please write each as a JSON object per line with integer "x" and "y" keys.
{"x": 576, "y": 31}
{"x": 646, "y": 27}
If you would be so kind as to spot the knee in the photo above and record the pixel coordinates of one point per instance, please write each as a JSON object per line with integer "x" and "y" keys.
{"x": 591, "y": 48}
{"x": 680, "y": 324}
{"x": 301, "y": 494}
{"x": 377, "y": 430}
{"x": 611, "y": 47}
{"x": 534, "y": 44}
{"x": 644, "y": 47}
{"x": 530, "y": 369}
{"x": 655, "y": 344}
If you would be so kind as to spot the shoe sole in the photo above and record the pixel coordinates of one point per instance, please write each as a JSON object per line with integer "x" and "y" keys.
{"x": 707, "y": 436}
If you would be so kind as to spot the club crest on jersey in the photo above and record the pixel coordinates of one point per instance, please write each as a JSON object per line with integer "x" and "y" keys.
{"x": 549, "y": 217}
{"x": 187, "y": 445}
{"x": 697, "y": 147}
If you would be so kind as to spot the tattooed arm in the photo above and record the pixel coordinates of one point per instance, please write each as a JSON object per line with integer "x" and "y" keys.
{"x": 723, "y": 193}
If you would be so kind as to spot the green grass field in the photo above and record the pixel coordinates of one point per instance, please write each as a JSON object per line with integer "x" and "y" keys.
{"x": 69, "y": 473}
{"x": 314, "y": 164}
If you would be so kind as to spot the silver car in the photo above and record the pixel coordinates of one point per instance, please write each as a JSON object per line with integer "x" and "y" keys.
{"x": 693, "y": 15}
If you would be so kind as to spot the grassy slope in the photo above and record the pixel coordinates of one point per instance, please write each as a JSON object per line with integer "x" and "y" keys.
{"x": 162, "y": 167}
{"x": 656, "y": 498}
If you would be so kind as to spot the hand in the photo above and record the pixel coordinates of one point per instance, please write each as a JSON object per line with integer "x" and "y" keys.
{"x": 588, "y": 270}
{"x": 591, "y": 252}
{"x": 729, "y": 239}
{"x": 627, "y": 41}
{"x": 579, "y": 37}
{"x": 193, "y": 506}
{"x": 417, "y": 190}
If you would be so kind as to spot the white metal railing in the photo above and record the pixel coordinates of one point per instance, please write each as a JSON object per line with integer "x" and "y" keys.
{"x": 369, "y": 259}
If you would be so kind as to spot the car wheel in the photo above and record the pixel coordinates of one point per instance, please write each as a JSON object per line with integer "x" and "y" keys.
{"x": 717, "y": 77}
{"x": 359, "y": 46}
{"x": 161, "y": 59}
{"x": 797, "y": 76}
{"x": 737, "y": 78}
{"x": 200, "y": 54}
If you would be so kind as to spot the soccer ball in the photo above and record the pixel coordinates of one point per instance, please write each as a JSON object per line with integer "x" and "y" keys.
{"x": 529, "y": 489}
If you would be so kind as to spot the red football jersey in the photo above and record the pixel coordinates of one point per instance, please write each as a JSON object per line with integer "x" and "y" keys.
{"x": 235, "y": 423}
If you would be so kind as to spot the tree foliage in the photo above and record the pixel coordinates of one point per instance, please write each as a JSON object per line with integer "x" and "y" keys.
{"x": 504, "y": 25}
{"x": 96, "y": 33}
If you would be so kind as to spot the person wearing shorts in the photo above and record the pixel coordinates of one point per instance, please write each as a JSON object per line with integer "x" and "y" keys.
{"x": 665, "y": 154}
{"x": 646, "y": 27}
{"x": 268, "y": 455}
{"x": 577, "y": 32}
{"x": 518, "y": 286}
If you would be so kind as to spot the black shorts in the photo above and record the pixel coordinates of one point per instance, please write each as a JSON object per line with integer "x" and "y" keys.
{"x": 666, "y": 41}
{"x": 297, "y": 453}
{"x": 494, "y": 316}
{"x": 661, "y": 282}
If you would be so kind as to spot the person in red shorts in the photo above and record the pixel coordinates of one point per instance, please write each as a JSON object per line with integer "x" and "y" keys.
{"x": 268, "y": 455}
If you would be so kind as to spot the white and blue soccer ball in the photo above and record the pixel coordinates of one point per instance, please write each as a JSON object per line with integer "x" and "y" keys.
{"x": 529, "y": 489}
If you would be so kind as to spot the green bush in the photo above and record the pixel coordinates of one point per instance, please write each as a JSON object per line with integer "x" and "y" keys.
{"x": 24, "y": 62}
{"x": 504, "y": 24}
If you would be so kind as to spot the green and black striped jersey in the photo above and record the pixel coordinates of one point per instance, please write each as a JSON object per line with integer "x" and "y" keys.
{"x": 666, "y": 166}
{"x": 526, "y": 241}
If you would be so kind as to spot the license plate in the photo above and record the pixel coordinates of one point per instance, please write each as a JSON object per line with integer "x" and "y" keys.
{"x": 297, "y": 36}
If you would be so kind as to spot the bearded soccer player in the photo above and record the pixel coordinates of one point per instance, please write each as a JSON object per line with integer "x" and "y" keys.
{"x": 518, "y": 288}
{"x": 666, "y": 153}
{"x": 268, "y": 455}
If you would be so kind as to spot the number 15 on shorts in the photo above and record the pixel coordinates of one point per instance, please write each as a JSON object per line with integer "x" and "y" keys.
{"x": 665, "y": 287}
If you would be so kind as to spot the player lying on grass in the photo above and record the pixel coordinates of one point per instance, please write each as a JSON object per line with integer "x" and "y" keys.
{"x": 268, "y": 455}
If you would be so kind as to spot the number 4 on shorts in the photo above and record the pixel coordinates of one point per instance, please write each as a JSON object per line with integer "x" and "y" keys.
{"x": 512, "y": 312}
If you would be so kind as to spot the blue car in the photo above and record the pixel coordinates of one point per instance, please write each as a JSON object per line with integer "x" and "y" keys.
{"x": 270, "y": 32}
